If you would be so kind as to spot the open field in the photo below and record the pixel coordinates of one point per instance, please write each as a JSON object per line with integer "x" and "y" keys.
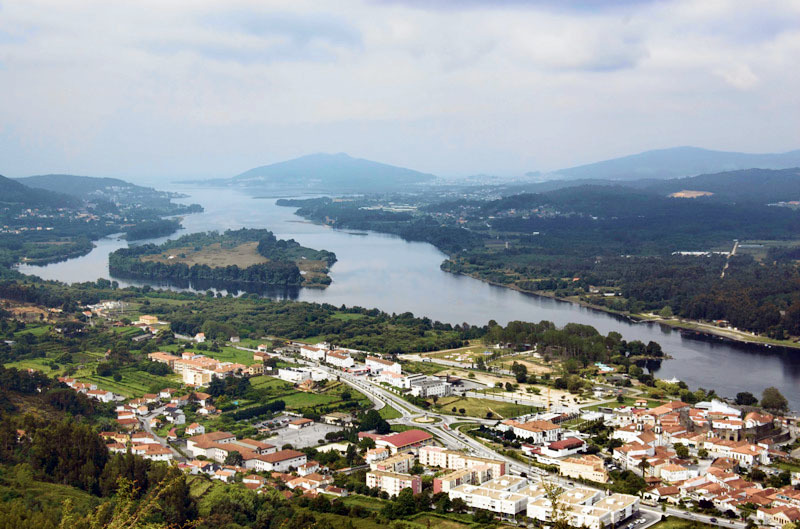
{"x": 213, "y": 255}
{"x": 627, "y": 401}
{"x": 134, "y": 383}
{"x": 464, "y": 355}
{"x": 389, "y": 413}
{"x": 673, "y": 522}
{"x": 480, "y": 407}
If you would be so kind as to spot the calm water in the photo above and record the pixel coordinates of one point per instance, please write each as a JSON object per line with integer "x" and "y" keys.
{"x": 383, "y": 271}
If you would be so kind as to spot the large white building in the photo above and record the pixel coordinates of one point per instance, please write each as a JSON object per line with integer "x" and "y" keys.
{"x": 196, "y": 369}
{"x": 426, "y": 387}
{"x": 435, "y": 456}
{"x": 536, "y": 431}
{"x": 314, "y": 353}
{"x": 339, "y": 359}
{"x": 295, "y": 375}
{"x": 379, "y": 365}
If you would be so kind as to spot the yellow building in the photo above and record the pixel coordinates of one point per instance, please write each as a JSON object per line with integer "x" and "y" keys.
{"x": 586, "y": 467}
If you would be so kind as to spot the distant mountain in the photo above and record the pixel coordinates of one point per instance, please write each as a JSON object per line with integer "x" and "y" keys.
{"x": 13, "y": 192}
{"x": 73, "y": 184}
{"x": 761, "y": 186}
{"x": 331, "y": 172}
{"x": 675, "y": 163}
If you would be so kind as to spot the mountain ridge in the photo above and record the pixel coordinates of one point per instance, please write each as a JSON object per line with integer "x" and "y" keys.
{"x": 676, "y": 162}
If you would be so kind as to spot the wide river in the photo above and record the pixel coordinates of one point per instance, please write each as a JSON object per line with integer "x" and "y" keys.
{"x": 383, "y": 271}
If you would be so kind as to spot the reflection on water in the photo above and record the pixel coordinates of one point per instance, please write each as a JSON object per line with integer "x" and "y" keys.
{"x": 383, "y": 271}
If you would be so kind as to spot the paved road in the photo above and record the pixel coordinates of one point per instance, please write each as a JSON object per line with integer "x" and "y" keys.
{"x": 454, "y": 439}
{"x": 145, "y": 422}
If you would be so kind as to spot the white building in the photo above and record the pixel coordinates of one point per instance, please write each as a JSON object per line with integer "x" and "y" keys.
{"x": 392, "y": 483}
{"x": 313, "y": 353}
{"x": 281, "y": 461}
{"x": 536, "y": 431}
{"x": 295, "y": 375}
{"x": 429, "y": 387}
{"x": 378, "y": 365}
{"x": 339, "y": 359}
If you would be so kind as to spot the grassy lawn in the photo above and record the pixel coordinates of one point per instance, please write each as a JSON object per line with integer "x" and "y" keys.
{"x": 271, "y": 383}
{"x": 627, "y": 401}
{"x": 426, "y": 368}
{"x": 440, "y": 522}
{"x": 389, "y": 413}
{"x": 35, "y": 330}
{"x": 785, "y": 465}
{"x": 673, "y": 522}
{"x": 366, "y": 502}
{"x": 479, "y": 407}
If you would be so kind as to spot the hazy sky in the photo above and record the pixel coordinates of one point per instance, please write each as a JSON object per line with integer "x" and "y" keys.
{"x": 196, "y": 88}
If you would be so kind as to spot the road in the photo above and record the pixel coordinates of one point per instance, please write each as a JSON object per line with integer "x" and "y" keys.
{"x": 456, "y": 440}
{"x": 145, "y": 422}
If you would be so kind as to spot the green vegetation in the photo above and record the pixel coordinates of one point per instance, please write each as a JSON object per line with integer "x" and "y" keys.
{"x": 481, "y": 408}
{"x": 673, "y": 522}
{"x": 246, "y": 259}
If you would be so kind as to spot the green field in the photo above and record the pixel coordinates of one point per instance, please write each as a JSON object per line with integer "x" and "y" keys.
{"x": 627, "y": 401}
{"x": 673, "y": 522}
{"x": 347, "y": 316}
{"x": 479, "y": 407}
{"x": 389, "y": 413}
{"x": 426, "y": 368}
{"x": 134, "y": 383}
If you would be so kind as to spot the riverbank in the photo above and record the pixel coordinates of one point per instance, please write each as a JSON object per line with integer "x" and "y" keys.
{"x": 699, "y": 327}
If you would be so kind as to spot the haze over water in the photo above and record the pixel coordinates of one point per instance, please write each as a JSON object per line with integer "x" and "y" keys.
{"x": 383, "y": 271}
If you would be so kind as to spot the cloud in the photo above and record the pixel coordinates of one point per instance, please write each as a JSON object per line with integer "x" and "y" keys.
{"x": 253, "y": 36}
{"x": 203, "y": 88}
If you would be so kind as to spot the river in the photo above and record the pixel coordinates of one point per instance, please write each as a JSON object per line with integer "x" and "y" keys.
{"x": 383, "y": 271}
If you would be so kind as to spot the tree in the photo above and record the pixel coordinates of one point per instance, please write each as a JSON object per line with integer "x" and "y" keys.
{"x": 509, "y": 386}
{"x": 462, "y": 411}
{"x": 745, "y": 398}
{"x": 234, "y": 458}
{"x": 559, "y": 514}
{"x": 682, "y": 450}
{"x": 773, "y": 400}
{"x": 489, "y": 415}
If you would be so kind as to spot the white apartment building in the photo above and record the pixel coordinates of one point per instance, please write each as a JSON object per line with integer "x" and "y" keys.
{"x": 379, "y": 365}
{"x": 392, "y": 483}
{"x": 339, "y": 359}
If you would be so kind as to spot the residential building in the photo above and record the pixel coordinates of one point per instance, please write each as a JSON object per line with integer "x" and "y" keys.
{"x": 435, "y": 456}
{"x": 281, "y": 461}
{"x": 339, "y": 359}
{"x": 392, "y": 483}
{"x": 536, "y": 431}
{"x": 399, "y": 463}
{"x": 588, "y": 467}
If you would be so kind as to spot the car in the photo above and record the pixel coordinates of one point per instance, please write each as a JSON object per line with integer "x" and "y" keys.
{"x": 713, "y": 520}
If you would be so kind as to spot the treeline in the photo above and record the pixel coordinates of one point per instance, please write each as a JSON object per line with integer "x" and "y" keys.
{"x": 126, "y": 262}
{"x": 409, "y": 227}
{"x": 152, "y": 229}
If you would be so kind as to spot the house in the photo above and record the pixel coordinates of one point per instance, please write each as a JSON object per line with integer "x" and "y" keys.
{"x": 147, "y": 319}
{"x": 224, "y": 474}
{"x": 200, "y": 337}
{"x": 307, "y": 468}
{"x": 778, "y": 516}
{"x": 255, "y": 369}
{"x": 172, "y": 434}
{"x": 392, "y": 483}
{"x": 100, "y": 394}
{"x": 673, "y": 473}
{"x": 204, "y": 444}
{"x": 166, "y": 393}
{"x": 299, "y": 424}
{"x": 588, "y": 467}
{"x": 335, "y": 491}
{"x": 154, "y": 452}
{"x": 195, "y": 429}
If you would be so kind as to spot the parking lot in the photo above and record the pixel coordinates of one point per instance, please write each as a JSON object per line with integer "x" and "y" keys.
{"x": 308, "y": 436}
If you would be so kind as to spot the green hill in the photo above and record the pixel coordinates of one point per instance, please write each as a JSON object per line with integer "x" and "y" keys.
{"x": 13, "y": 192}
{"x": 73, "y": 184}
{"x": 330, "y": 172}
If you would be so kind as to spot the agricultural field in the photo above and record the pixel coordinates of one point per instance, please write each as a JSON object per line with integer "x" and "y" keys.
{"x": 134, "y": 383}
{"x": 213, "y": 255}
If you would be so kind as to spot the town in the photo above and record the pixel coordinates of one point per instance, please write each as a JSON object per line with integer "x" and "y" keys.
{"x": 615, "y": 457}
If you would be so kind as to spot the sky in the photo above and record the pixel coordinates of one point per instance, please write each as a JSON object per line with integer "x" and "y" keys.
{"x": 194, "y": 88}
